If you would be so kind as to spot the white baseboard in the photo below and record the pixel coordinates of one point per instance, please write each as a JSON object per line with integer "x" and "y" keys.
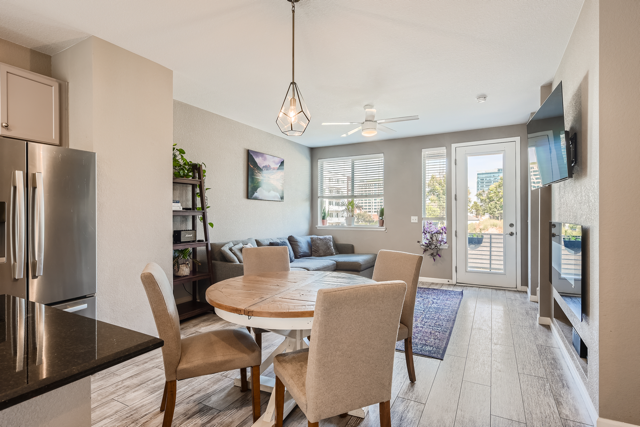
{"x": 523, "y": 288}
{"x": 436, "y": 280}
{"x": 533, "y": 298}
{"x": 603, "y": 422}
{"x": 581, "y": 387}
{"x": 544, "y": 320}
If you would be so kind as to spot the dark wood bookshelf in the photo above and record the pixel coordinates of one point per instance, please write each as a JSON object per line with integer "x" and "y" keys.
{"x": 194, "y": 307}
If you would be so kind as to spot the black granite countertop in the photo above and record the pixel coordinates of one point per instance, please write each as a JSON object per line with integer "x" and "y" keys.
{"x": 43, "y": 348}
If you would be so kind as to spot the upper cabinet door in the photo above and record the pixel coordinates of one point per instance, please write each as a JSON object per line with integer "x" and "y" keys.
{"x": 29, "y": 106}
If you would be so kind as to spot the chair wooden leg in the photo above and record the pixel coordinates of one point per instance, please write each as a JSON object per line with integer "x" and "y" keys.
{"x": 279, "y": 402}
{"x": 310, "y": 424}
{"x": 255, "y": 390}
{"x": 164, "y": 397}
{"x": 244, "y": 385}
{"x": 170, "y": 403}
{"x": 385, "y": 414}
{"x": 408, "y": 354}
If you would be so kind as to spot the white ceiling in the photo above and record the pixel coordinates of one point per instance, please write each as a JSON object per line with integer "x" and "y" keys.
{"x": 427, "y": 57}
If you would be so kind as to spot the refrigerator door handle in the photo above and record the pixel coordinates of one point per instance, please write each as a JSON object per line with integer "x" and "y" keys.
{"x": 18, "y": 226}
{"x": 75, "y": 308}
{"x": 38, "y": 238}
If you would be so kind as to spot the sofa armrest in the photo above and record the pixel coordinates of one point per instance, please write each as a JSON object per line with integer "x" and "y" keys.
{"x": 345, "y": 248}
{"x": 226, "y": 270}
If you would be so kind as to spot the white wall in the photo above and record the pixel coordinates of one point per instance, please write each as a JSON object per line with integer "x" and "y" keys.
{"x": 124, "y": 112}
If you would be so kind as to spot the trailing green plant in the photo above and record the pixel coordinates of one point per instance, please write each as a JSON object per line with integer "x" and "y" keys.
{"x": 183, "y": 168}
{"x": 183, "y": 254}
{"x": 324, "y": 213}
{"x": 381, "y": 213}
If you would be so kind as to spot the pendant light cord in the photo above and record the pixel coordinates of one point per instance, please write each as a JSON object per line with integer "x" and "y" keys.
{"x": 293, "y": 43}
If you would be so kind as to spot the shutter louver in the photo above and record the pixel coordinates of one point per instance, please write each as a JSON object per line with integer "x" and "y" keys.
{"x": 351, "y": 177}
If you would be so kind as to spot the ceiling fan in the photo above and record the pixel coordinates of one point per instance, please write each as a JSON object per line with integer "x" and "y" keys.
{"x": 370, "y": 126}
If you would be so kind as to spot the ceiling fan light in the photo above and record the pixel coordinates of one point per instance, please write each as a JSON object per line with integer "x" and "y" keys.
{"x": 369, "y": 128}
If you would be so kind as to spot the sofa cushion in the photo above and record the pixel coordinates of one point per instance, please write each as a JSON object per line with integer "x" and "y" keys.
{"x": 216, "y": 247}
{"x": 301, "y": 246}
{"x": 311, "y": 264}
{"x": 267, "y": 242}
{"x": 237, "y": 251}
{"x": 351, "y": 262}
{"x": 227, "y": 254}
{"x": 322, "y": 246}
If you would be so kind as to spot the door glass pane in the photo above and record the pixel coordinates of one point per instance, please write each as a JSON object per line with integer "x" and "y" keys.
{"x": 485, "y": 237}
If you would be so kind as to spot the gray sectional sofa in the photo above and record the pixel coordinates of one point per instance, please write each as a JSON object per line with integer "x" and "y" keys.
{"x": 346, "y": 261}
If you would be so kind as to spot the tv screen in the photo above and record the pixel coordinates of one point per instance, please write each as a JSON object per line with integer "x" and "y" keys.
{"x": 566, "y": 265}
{"x": 549, "y": 158}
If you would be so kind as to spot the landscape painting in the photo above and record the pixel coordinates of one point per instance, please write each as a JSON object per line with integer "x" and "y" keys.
{"x": 266, "y": 177}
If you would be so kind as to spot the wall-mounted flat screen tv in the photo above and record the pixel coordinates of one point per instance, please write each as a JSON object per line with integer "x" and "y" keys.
{"x": 551, "y": 151}
{"x": 566, "y": 265}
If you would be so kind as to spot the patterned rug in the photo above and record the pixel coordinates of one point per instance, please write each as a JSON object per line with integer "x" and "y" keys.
{"x": 434, "y": 317}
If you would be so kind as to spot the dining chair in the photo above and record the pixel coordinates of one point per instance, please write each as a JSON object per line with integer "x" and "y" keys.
{"x": 349, "y": 362}
{"x": 265, "y": 259}
{"x": 197, "y": 355}
{"x": 394, "y": 265}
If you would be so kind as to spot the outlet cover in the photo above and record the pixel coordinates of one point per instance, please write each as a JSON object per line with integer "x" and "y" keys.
{"x": 414, "y": 219}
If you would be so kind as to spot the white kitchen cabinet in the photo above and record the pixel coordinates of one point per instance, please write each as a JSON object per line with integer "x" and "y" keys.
{"x": 29, "y": 105}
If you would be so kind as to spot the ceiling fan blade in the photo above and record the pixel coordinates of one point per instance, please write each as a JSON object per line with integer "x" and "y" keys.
{"x": 383, "y": 128}
{"x": 332, "y": 124}
{"x": 399, "y": 119}
{"x": 353, "y": 131}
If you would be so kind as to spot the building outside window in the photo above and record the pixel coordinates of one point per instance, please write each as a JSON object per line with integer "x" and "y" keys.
{"x": 359, "y": 178}
{"x": 486, "y": 179}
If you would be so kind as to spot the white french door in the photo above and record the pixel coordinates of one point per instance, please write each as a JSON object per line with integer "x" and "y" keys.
{"x": 486, "y": 214}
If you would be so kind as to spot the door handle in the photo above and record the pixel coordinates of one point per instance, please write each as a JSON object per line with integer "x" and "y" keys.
{"x": 512, "y": 233}
{"x": 38, "y": 243}
{"x": 17, "y": 256}
{"x": 75, "y": 308}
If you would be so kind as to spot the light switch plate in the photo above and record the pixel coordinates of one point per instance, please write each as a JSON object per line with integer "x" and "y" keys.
{"x": 414, "y": 219}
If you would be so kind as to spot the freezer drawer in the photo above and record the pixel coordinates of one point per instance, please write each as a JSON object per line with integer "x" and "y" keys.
{"x": 85, "y": 307}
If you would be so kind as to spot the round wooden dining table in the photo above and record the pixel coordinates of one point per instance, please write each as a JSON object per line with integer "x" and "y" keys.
{"x": 282, "y": 303}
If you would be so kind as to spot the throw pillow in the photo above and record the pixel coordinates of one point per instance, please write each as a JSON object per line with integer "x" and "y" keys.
{"x": 237, "y": 251}
{"x": 322, "y": 246}
{"x": 227, "y": 254}
{"x": 281, "y": 243}
{"x": 301, "y": 246}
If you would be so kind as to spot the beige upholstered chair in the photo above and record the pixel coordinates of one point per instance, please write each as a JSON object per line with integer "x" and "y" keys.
{"x": 265, "y": 259}
{"x": 392, "y": 265}
{"x": 194, "y": 356}
{"x": 349, "y": 364}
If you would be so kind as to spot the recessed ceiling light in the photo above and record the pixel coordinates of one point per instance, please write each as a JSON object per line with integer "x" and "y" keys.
{"x": 482, "y": 98}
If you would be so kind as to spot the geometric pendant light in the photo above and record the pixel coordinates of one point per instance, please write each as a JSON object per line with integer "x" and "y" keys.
{"x": 294, "y": 116}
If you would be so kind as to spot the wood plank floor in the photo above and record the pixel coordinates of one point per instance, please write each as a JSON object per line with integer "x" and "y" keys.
{"x": 501, "y": 369}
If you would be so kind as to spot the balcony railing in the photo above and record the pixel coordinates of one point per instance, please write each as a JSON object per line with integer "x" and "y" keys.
{"x": 487, "y": 256}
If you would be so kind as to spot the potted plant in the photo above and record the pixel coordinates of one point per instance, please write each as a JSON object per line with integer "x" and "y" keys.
{"x": 350, "y": 213}
{"x": 324, "y": 215}
{"x": 182, "y": 262}
{"x": 433, "y": 238}
{"x": 381, "y": 217}
{"x": 475, "y": 240}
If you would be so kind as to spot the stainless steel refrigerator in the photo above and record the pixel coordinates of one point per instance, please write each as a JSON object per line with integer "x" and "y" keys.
{"x": 48, "y": 225}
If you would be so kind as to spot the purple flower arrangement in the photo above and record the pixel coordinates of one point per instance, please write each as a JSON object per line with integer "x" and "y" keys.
{"x": 433, "y": 238}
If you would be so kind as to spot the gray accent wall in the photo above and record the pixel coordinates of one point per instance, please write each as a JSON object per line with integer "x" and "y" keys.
{"x": 577, "y": 200}
{"x": 223, "y": 144}
{"x": 403, "y": 193}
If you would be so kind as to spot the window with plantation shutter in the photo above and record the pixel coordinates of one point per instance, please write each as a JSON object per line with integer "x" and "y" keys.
{"x": 434, "y": 185}
{"x": 359, "y": 178}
